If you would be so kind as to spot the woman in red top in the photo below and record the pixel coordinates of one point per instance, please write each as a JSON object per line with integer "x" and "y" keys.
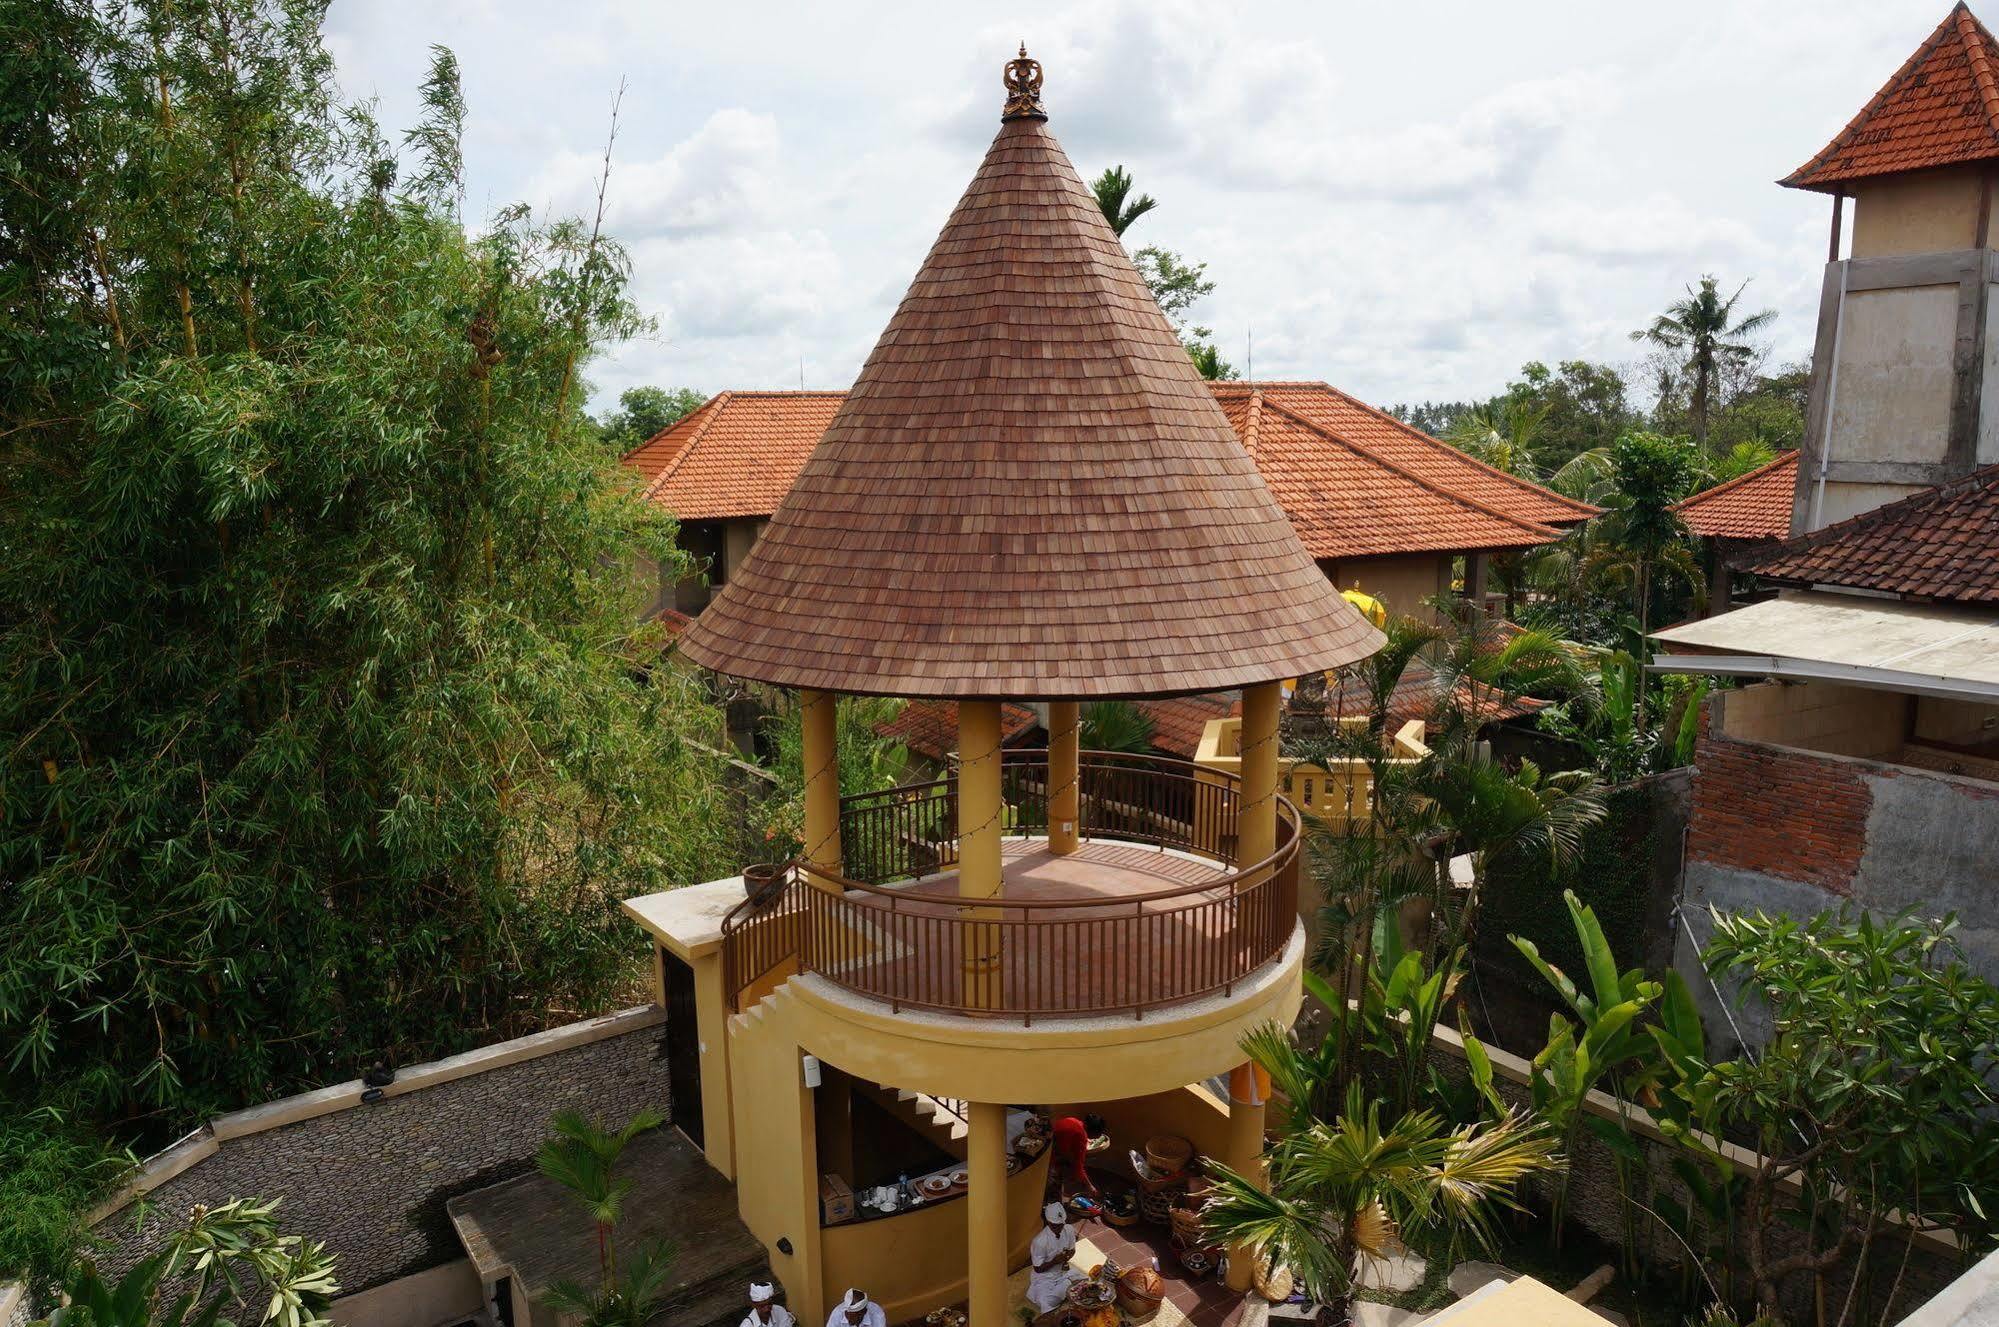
{"x": 1072, "y": 1143}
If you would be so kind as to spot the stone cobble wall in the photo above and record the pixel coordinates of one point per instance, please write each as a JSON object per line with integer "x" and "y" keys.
{"x": 372, "y": 1180}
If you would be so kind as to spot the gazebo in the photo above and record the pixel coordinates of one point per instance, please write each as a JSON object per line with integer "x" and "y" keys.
{"x": 1029, "y": 495}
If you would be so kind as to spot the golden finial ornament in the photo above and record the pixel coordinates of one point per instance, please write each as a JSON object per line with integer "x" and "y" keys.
{"x": 1023, "y": 89}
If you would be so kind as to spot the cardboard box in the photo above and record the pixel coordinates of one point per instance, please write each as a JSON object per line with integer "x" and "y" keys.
{"x": 836, "y": 1200}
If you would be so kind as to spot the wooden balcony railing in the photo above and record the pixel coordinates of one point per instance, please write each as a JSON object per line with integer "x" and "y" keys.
{"x": 1115, "y": 951}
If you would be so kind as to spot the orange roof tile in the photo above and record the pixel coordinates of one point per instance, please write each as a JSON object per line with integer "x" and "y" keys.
{"x": 738, "y": 455}
{"x": 930, "y": 727}
{"x": 1348, "y": 502}
{"x": 735, "y": 456}
{"x": 1755, "y": 505}
{"x": 1941, "y": 543}
{"x": 1940, "y": 109}
{"x": 1437, "y": 463}
{"x": 1177, "y": 723}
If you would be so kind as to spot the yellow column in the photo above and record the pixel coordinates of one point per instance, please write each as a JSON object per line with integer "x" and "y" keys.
{"x": 980, "y": 827}
{"x": 985, "y": 1215}
{"x": 819, "y": 725}
{"x": 1249, "y": 1089}
{"x": 1256, "y": 811}
{"x": 1064, "y": 774}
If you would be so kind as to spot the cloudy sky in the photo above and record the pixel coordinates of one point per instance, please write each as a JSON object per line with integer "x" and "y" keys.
{"x": 1406, "y": 200}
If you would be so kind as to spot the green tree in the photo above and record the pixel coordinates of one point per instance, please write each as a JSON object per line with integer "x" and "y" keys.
{"x": 317, "y": 668}
{"x": 1115, "y": 199}
{"x": 221, "y": 1258}
{"x": 1705, "y": 330}
{"x": 1871, "y": 1097}
{"x": 1640, "y": 530}
{"x": 1582, "y": 406}
{"x": 642, "y": 413}
{"x": 1114, "y": 725}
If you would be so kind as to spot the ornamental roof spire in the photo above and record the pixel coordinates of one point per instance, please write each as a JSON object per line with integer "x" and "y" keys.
{"x": 1023, "y": 89}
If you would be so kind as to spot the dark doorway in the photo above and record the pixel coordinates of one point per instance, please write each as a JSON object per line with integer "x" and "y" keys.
{"x": 683, "y": 1047}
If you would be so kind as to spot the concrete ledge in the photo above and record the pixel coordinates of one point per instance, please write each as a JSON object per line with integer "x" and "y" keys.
{"x": 1970, "y": 1301}
{"x": 207, "y": 1140}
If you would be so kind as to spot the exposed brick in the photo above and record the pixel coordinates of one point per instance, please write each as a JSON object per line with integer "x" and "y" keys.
{"x": 1783, "y": 813}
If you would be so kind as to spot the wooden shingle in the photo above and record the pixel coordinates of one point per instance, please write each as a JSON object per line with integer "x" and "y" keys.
{"x": 1029, "y": 491}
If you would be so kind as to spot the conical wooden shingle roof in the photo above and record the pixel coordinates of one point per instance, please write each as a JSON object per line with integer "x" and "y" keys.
{"x": 1029, "y": 492}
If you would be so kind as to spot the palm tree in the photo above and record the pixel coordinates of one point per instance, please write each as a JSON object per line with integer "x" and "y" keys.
{"x": 1113, "y": 191}
{"x": 1703, "y": 326}
{"x": 1501, "y": 433}
{"x": 630, "y": 1301}
{"x": 1640, "y": 528}
{"x": 582, "y": 1158}
{"x": 1341, "y": 1187}
{"x": 1115, "y": 725}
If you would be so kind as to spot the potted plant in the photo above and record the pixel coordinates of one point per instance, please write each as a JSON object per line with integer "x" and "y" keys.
{"x": 762, "y": 882}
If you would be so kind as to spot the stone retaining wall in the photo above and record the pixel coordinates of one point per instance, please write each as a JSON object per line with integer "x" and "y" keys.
{"x": 371, "y": 1179}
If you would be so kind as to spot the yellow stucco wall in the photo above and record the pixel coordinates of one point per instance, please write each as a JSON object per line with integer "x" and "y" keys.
{"x": 1932, "y": 211}
{"x": 915, "y": 1262}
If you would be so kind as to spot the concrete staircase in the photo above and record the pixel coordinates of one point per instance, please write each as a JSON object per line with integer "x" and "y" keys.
{"x": 922, "y": 1113}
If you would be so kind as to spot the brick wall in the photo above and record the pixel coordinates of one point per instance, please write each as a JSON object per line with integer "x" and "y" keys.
{"x": 372, "y": 1180}
{"x": 1788, "y": 814}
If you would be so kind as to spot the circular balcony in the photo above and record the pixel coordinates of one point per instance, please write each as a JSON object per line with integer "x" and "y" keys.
{"x": 1151, "y": 909}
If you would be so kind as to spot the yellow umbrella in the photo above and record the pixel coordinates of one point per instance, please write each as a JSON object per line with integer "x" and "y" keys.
{"x": 1370, "y": 607}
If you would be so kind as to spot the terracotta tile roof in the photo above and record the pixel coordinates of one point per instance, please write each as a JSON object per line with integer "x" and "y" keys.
{"x": 1029, "y": 490}
{"x": 1942, "y": 543}
{"x": 930, "y": 727}
{"x": 740, "y": 460}
{"x": 1940, "y": 109}
{"x": 1347, "y": 502}
{"x": 1756, "y": 505}
{"x": 1436, "y": 462}
{"x": 1178, "y": 722}
{"x": 735, "y": 456}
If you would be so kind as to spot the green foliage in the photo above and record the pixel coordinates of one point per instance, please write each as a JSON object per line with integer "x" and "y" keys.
{"x": 582, "y": 1157}
{"x": 1114, "y": 197}
{"x": 1114, "y": 725}
{"x": 642, "y": 413}
{"x": 1623, "y": 738}
{"x": 868, "y": 761}
{"x": 317, "y": 661}
{"x": 1582, "y": 407}
{"x": 222, "y": 1257}
{"x": 1872, "y": 1093}
{"x": 1705, "y": 331}
{"x": 1335, "y": 1187}
{"x": 50, "y": 1169}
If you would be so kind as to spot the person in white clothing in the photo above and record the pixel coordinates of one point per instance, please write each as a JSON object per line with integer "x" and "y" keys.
{"x": 855, "y": 1309}
{"x": 1053, "y": 1249}
{"x": 765, "y": 1311}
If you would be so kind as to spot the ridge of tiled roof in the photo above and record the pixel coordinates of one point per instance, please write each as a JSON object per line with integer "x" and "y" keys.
{"x": 1346, "y": 416}
{"x": 1941, "y": 108}
{"x": 1450, "y": 521}
{"x": 1941, "y": 543}
{"x": 1029, "y": 491}
{"x": 930, "y": 727}
{"x": 768, "y": 433}
{"x": 1756, "y": 504}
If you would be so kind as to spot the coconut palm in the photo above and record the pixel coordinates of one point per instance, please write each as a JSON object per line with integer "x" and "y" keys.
{"x": 1113, "y": 191}
{"x": 1501, "y": 433}
{"x": 1705, "y": 329}
{"x": 1343, "y": 1187}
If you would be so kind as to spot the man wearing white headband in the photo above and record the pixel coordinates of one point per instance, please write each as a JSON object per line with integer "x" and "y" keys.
{"x": 855, "y": 1309}
{"x": 765, "y": 1311}
{"x": 1053, "y": 1249}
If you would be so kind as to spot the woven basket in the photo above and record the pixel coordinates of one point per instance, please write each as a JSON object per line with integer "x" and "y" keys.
{"x": 1157, "y": 1206}
{"x": 1139, "y": 1292}
{"x": 1168, "y": 1154}
{"x": 1273, "y": 1283}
